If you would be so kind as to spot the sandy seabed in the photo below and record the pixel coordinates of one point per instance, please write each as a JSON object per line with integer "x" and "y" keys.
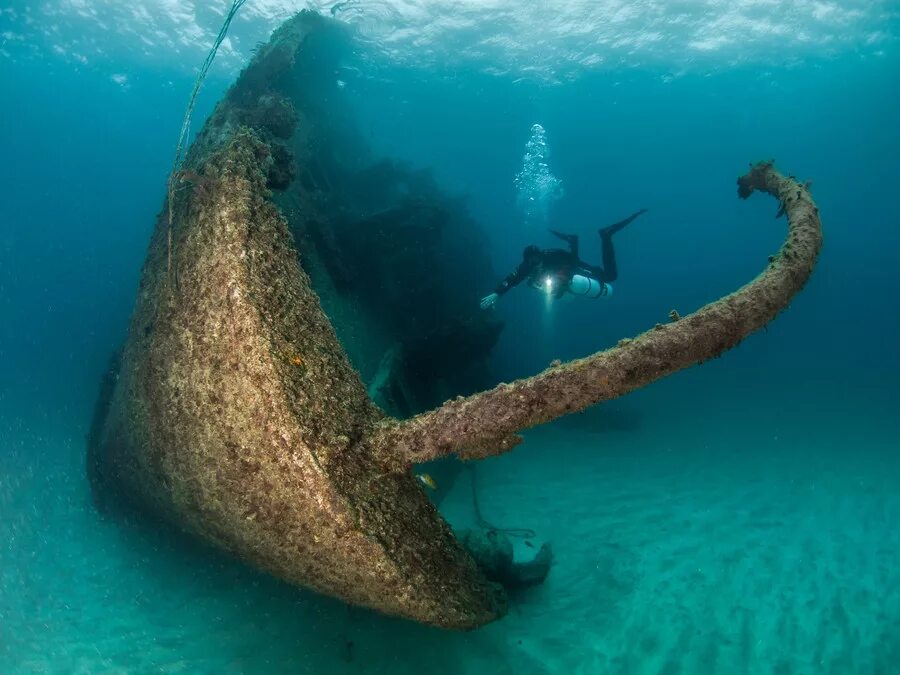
{"x": 760, "y": 536}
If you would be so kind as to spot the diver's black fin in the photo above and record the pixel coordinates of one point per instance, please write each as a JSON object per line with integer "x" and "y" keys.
{"x": 610, "y": 230}
{"x": 569, "y": 238}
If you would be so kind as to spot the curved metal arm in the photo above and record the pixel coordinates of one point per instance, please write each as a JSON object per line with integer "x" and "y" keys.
{"x": 485, "y": 424}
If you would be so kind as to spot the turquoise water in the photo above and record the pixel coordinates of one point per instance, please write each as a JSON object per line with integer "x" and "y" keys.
{"x": 738, "y": 517}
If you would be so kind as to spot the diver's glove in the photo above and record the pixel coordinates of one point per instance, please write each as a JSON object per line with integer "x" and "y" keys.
{"x": 489, "y": 301}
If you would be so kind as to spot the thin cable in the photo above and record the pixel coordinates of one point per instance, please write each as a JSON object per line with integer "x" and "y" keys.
{"x": 519, "y": 532}
{"x": 186, "y": 122}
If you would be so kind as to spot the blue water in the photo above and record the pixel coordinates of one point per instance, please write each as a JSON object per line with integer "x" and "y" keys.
{"x": 738, "y": 517}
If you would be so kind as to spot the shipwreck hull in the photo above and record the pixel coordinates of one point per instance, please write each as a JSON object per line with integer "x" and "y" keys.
{"x": 238, "y": 416}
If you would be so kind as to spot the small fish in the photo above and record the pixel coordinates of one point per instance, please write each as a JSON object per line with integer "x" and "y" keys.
{"x": 297, "y": 361}
{"x": 188, "y": 176}
{"x": 426, "y": 480}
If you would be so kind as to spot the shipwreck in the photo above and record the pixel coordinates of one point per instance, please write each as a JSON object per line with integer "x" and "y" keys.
{"x": 236, "y": 409}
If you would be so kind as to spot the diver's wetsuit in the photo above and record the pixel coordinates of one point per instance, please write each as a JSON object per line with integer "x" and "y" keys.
{"x": 560, "y": 265}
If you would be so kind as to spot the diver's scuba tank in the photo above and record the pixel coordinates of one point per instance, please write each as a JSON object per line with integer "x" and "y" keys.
{"x": 589, "y": 287}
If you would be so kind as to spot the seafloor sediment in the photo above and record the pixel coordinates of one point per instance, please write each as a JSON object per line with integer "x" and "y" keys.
{"x": 713, "y": 547}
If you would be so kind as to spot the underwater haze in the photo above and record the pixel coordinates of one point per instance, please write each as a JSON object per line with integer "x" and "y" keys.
{"x": 737, "y": 517}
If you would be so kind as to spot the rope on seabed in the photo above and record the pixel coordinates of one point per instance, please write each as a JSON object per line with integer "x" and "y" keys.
{"x": 519, "y": 532}
{"x": 186, "y": 124}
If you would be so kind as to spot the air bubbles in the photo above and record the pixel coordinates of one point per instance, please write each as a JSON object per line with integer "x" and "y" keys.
{"x": 536, "y": 187}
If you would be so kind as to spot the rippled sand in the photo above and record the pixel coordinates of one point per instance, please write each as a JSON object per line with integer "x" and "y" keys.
{"x": 692, "y": 534}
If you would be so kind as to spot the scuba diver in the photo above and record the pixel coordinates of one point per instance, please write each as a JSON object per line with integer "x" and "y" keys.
{"x": 557, "y": 271}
